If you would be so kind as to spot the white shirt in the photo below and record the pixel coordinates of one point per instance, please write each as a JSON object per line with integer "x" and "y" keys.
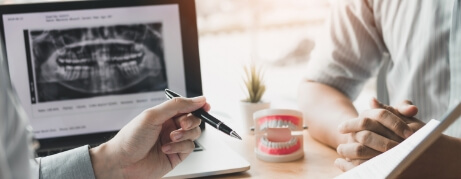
{"x": 415, "y": 36}
{"x": 15, "y": 140}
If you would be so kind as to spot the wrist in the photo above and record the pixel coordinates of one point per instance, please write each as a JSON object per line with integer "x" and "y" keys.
{"x": 104, "y": 164}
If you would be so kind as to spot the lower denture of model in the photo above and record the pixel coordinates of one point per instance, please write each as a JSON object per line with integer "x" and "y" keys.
{"x": 278, "y": 139}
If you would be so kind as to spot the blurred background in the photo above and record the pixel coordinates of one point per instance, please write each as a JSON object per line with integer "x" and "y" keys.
{"x": 278, "y": 35}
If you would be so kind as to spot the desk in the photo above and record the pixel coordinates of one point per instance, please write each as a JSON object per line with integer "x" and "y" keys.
{"x": 317, "y": 162}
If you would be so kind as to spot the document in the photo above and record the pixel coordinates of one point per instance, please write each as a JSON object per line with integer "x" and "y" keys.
{"x": 390, "y": 164}
{"x": 383, "y": 165}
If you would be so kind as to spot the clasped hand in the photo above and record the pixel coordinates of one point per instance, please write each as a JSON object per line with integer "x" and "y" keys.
{"x": 375, "y": 131}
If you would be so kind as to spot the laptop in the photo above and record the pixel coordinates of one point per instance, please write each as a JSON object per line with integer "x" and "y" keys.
{"x": 84, "y": 69}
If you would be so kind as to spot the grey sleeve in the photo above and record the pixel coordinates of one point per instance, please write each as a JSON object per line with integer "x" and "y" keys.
{"x": 350, "y": 49}
{"x": 71, "y": 164}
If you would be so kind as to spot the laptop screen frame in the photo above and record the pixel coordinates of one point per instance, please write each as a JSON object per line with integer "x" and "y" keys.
{"x": 189, "y": 37}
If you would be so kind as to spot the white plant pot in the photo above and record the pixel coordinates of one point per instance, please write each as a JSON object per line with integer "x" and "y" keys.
{"x": 247, "y": 110}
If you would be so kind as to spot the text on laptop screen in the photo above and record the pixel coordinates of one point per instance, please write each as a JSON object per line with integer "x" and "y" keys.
{"x": 87, "y": 71}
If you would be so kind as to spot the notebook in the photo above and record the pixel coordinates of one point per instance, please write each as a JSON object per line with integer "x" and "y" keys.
{"x": 393, "y": 162}
{"x": 84, "y": 69}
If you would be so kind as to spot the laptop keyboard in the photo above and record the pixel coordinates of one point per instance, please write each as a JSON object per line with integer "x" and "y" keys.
{"x": 43, "y": 153}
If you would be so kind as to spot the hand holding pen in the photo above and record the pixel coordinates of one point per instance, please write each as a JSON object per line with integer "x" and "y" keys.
{"x": 206, "y": 117}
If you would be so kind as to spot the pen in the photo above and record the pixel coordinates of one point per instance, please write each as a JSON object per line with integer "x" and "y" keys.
{"x": 208, "y": 118}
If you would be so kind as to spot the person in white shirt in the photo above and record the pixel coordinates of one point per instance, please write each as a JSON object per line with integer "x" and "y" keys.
{"x": 416, "y": 45}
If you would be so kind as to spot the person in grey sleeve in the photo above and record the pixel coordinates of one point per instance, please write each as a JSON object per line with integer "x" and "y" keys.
{"x": 149, "y": 146}
{"x": 416, "y": 46}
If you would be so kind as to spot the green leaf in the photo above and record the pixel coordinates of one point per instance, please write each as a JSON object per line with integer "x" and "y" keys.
{"x": 254, "y": 83}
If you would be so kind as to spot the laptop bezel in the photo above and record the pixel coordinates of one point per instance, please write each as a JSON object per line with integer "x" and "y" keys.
{"x": 190, "y": 49}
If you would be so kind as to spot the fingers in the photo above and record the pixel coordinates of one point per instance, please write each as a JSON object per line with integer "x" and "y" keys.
{"x": 207, "y": 107}
{"x": 356, "y": 162}
{"x": 173, "y": 107}
{"x": 374, "y": 141}
{"x": 343, "y": 164}
{"x": 369, "y": 124}
{"x": 366, "y": 121}
{"x": 390, "y": 121}
{"x": 407, "y": 108}
{"x": 181, "y": 134}
{"x": 346, "y": 165}
{"x": 189, "y": 131}
{"x": 374, "y": 103}
{"x": 356, "y": 151}
{"x": 187, "y": 121}
{"x": 185, "y": 146}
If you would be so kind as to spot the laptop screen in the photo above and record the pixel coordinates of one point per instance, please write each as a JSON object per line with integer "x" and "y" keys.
{"x": 81, "y": 71}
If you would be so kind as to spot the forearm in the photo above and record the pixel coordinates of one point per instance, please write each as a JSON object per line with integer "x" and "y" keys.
{"x": 441, "y": 160}
{"x": 324, "y": 109}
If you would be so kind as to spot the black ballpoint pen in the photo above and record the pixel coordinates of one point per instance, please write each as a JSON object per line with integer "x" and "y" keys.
{"x": 208, "y": 118}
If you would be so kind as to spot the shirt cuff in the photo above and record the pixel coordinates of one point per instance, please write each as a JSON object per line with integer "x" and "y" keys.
{"x": 75, "y": 163}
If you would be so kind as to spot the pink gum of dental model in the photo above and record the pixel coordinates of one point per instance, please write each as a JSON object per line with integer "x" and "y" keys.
{"x": 274, "y": 139}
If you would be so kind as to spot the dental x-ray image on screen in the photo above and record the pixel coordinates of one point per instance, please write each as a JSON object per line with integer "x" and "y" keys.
{"x": 85, "y": 62}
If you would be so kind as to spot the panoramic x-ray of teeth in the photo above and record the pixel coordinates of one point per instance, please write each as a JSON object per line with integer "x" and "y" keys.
{"x": 95, "y": 61}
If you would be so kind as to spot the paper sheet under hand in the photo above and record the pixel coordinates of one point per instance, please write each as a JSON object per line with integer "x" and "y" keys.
{"x": 382, "y": 165}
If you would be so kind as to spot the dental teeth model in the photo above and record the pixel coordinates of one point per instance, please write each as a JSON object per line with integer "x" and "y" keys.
{"x": 278, "y": 134}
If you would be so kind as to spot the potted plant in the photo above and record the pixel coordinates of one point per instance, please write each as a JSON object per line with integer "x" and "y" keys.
{"x": 254, "y": 88}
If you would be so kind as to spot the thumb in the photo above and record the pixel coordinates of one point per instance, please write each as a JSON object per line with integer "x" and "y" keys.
{"x": 407, "y": 108}
{"x": 173, "y": 107}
